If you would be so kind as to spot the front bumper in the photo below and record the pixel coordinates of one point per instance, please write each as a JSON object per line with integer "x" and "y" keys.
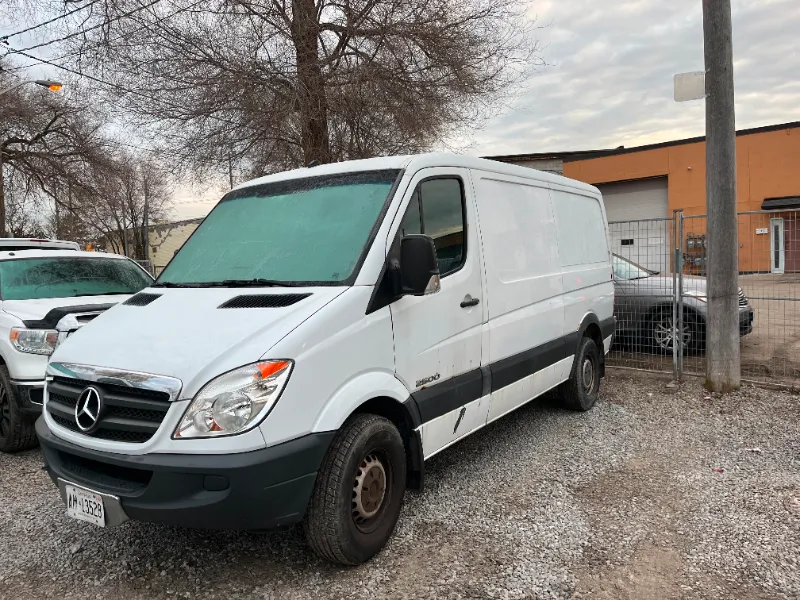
{"x": 260, "y": 490}
{"x": 29, "y": 396}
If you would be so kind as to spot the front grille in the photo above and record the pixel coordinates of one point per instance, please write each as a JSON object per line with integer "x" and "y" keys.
{"x": 86, "y": 318}
{"x": 131, "y": 415}
{"x": 103, "y": 475}
{"x": 743, "y": 301}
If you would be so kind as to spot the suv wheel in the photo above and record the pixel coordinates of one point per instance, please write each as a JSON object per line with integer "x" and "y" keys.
{"x": 17, "y": 430}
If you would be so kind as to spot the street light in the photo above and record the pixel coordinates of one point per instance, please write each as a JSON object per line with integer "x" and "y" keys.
{"x": 51, "y": 85}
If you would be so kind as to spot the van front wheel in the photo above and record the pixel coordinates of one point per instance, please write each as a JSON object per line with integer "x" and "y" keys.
{"x": 358, "y": 492}
{"x": 580, "y": 391}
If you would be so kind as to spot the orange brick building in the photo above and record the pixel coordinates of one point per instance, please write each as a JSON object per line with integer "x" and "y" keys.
{"x": 646, "y": 184}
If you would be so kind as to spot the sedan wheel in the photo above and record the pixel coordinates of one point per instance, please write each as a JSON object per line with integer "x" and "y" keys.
{"x": 662, "y": 335}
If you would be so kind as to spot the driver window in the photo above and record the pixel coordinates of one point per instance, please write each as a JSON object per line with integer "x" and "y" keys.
{"x": 437, "y": 210}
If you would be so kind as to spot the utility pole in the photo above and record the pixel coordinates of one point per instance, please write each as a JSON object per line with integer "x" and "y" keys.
{"x": 723, "y": 362}
{"x": 125, "y": 238}
{"x": 146, "y": 236}
{"x": 2, "y": 195}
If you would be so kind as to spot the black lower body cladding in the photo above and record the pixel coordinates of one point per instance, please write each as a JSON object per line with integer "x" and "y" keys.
{"x": 260, "y": 490}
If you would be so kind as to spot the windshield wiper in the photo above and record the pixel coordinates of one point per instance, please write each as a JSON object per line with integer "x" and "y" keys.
{"x": 257, "y": 282}
{"x": 232, "y": 283}
{"x": 169, "y": 284}
{"x": 101, "y": 294}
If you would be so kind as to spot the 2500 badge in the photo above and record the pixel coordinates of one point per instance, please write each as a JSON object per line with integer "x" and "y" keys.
{"x": 427, "y": 380}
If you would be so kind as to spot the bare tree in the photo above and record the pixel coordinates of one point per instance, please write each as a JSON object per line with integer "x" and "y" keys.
{"x": 270, "y": 84}
{"x": 60, "y": 170}
{"x": 45, "y": 144}
{"x": 125, "y": 194}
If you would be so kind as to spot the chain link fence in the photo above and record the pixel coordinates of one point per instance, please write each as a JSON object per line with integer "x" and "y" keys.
{"x": 660, "y": 329}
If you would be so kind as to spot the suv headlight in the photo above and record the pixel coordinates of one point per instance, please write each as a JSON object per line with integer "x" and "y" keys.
{"x": 236, "y": 401}
{"x": 34, "y": 341}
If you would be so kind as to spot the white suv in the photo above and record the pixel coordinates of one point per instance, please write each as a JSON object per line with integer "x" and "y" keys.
{"x": 45, "y": 296}
{"x": 12, "y": 244}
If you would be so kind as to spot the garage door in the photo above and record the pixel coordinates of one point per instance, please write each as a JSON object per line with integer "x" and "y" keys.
{"x": 640, "y": 223}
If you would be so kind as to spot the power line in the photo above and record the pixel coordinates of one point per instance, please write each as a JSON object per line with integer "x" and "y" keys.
{"x": 84, "y": 31}
{"x": 4, "y": 38}
{"x": 86, "y": 75}
{"x": 117, "y": 86}
{"x": 158, "y": 21}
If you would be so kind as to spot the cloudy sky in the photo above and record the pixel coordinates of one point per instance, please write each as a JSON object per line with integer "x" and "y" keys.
{"x": 609, "y": 78}
{"x": 611, "y": 64}
{"x": 610, "y": 69}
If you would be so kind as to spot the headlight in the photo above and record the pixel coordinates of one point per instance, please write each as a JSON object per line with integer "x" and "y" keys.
{"x": 34, "y": 341}
{"x": 236, "y": 401}
{"x": 695, "y": 294}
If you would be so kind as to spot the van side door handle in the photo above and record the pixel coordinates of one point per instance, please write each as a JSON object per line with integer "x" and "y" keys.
{"x": 469, "y": 302}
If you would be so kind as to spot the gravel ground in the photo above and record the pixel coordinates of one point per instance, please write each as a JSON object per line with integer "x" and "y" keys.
{"x": 656, "y": 493}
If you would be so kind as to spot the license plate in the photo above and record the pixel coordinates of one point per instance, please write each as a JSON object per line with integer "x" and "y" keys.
{"x": 85, "y": 505}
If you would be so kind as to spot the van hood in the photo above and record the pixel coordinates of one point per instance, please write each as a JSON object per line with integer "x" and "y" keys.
{"x": 183, "y": 333}
{"x": 35, "y": 310}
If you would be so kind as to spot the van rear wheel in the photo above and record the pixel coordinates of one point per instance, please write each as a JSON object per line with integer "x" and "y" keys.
{"x": 580, "y": 391}
{"x": 359, "y": 491}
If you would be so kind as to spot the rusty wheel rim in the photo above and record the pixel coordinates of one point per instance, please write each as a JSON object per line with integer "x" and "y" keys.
{"x": 369, "y": 491}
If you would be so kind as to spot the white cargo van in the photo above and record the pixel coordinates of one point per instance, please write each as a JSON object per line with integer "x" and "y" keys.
{"x": 321, "y": 334}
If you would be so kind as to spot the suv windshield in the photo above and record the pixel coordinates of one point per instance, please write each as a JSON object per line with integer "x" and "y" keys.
{"x": 625, "y": 269}
{"x": 301, "y": 231}
{"x": 68, "y": 277}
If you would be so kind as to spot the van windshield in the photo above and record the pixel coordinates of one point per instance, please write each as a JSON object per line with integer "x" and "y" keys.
{"x": 69, "y": 277}
{"x": 296, "y": 232}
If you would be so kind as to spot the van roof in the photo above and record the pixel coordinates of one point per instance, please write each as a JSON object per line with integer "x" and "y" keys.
{"x": 416, "y": 162}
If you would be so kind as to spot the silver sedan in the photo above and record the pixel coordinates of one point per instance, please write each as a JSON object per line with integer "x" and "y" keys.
{"x": 643, "y": 307}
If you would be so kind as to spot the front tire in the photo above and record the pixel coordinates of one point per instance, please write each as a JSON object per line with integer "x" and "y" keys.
{"x": 358, "y": 493}
{"x": 580, "y": 391}
{"x": 17, "y": 430}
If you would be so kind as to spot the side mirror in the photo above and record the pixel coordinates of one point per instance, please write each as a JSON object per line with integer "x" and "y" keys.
{"x": 419, "y": 269}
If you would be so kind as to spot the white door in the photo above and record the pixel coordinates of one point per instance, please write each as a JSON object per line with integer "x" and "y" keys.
{"x": 438, "y": 337}
{"x": 640, "y": 224}
{"x": 777, "y": 245}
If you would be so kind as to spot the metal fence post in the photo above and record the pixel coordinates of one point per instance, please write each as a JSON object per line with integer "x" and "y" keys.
{"x": 675, "y": 260}
{"x": 680, "y": 296}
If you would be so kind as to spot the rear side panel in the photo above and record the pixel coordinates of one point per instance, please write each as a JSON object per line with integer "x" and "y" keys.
{"x": 585, "y": 259}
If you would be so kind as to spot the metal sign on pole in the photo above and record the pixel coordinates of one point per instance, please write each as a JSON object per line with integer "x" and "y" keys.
{"x": 690, "y": 86}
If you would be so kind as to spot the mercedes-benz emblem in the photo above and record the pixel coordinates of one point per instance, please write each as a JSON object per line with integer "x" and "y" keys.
{"x": 87, "y": 409}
